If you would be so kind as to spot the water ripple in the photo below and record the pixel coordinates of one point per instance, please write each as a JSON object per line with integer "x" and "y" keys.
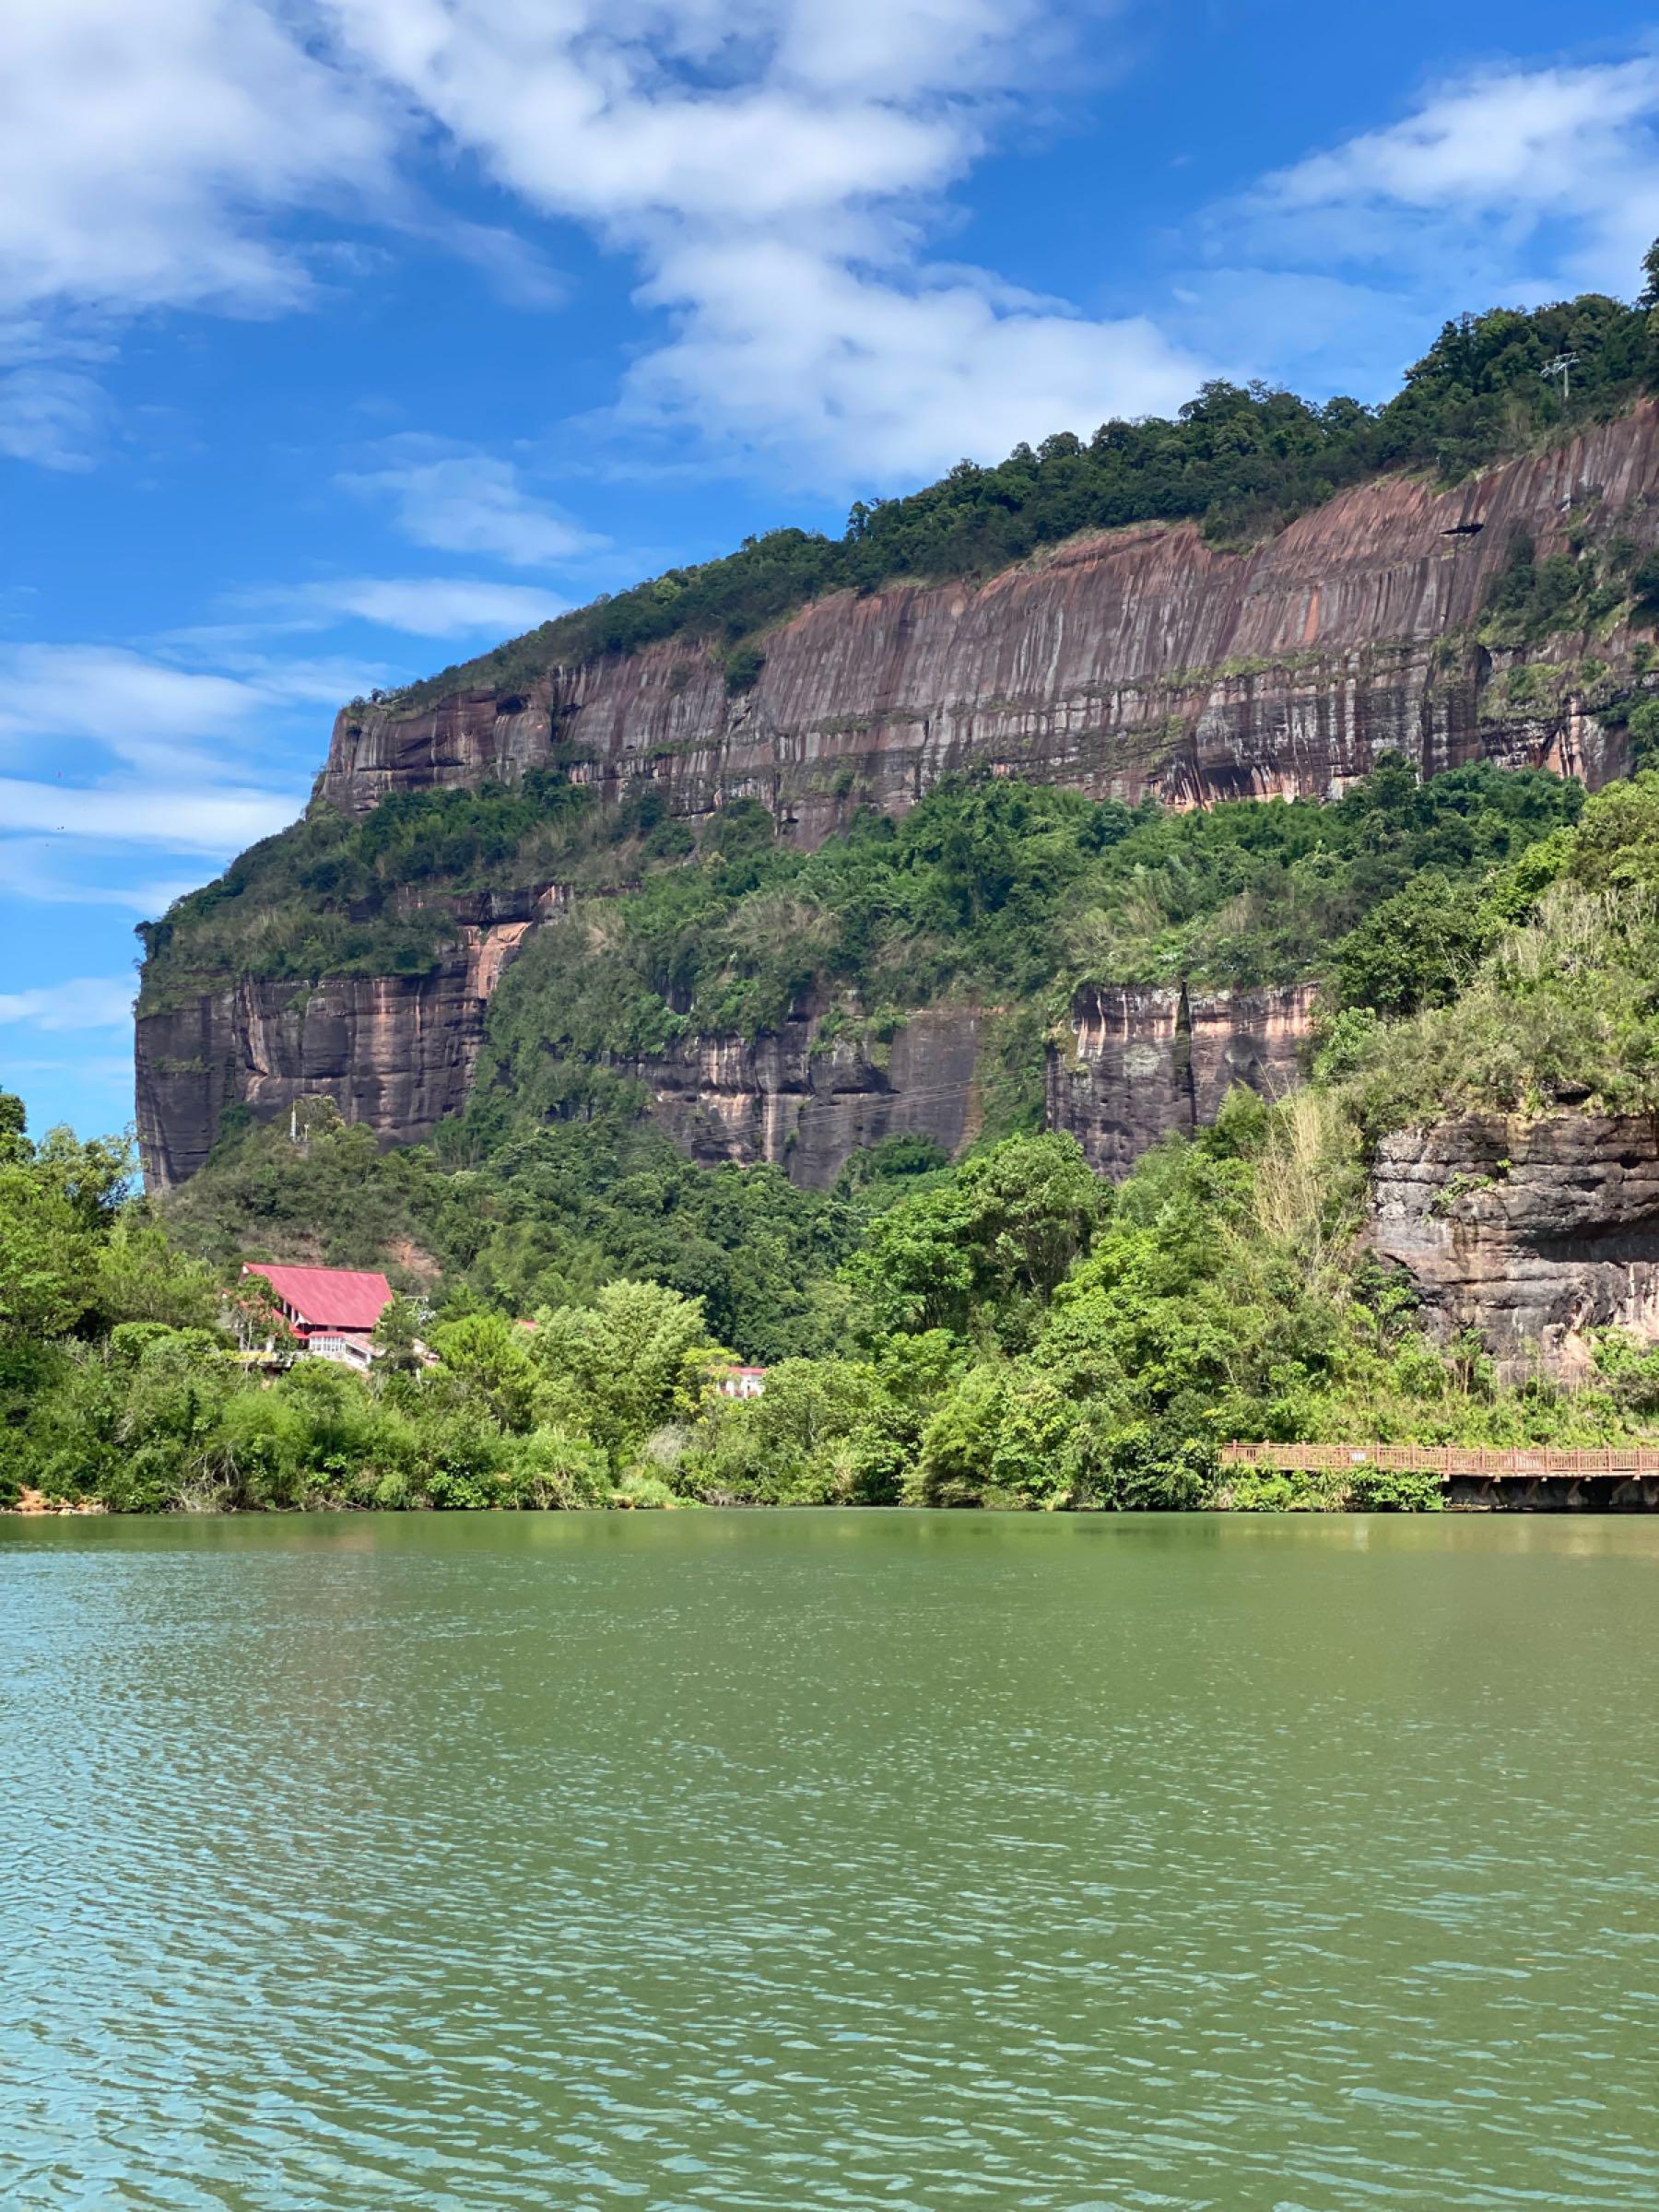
{"x": 729, "y": 1863}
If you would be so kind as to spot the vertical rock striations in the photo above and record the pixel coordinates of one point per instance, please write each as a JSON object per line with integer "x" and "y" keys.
{"x": 396, "y": 1052}
{"x": 803, "y": 1100}
{"x": 1145, "y": 1061}
{"x": 1127, "y": 661}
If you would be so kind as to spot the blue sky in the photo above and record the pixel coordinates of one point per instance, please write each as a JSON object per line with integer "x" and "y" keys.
{"x": 339, "y": 338}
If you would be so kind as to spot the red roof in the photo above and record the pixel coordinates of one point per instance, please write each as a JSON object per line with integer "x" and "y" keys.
{"x": 329, "y": 1298}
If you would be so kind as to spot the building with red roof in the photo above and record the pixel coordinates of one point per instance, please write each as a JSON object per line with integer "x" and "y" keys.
{"x": 740, "y": 1382}
{"x": 330, "y": 1310}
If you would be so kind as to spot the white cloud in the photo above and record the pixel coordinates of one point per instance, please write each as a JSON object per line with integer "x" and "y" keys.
{"x": 111, "y": 1071}
{"x": 767, "y": 163}
{"x": 771, "y": 168}
{"x": 144, "y": 151}
{"x": 154, "y": 716}
{"x": 272, "y": 679}
{"x": 128, "y": 813}
{"x": 108, "y": 691}
{"x": 122, "y": 748}
{"x": 52, "y": 417}
{"x": 144, "y": 712}
{"x": 148, "y": 157}
{"x": 785, "y": 346}
{"x": 1541, "y": 180}
{"x": 84, "y": 1002}
{"x": 1509, "y": 186}
{"x": 27, "y": 872}
{"x": 1539, "y": 141}
{"x": 463, "y": 500}
{"x": 424, "y": 607}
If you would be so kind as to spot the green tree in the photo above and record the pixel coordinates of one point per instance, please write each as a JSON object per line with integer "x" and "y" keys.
{"x": 1417, "y": 950}
{"x": 398, "y": 1336}
{"x": 984, "y": 1250}
{"x": 491, "y": 1355}
{"x": 636, "y": 1359}
{"x": 48, "y": 1254}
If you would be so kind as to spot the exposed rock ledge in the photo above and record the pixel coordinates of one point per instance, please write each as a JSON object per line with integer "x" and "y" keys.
{"x": 804, "y": 1102}
{"x": 1146, "y": 1061}
{"x": 1532, "y": 1232}
{"x": 1129, "y": 662}
{"x": 397, "y": 1052}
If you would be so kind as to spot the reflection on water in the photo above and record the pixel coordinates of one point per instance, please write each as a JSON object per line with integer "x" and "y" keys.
{"x": 828, "y": 1860}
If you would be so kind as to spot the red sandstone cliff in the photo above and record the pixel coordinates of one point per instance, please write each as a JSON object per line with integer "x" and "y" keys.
{"x": 1143, "y": 1062}
{"x": 1136, "y": 661}
{"x": 1139, "y": 660}
{"x": 1533, "y": 1233}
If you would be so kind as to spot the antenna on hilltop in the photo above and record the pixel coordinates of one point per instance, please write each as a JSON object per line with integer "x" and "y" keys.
{"x": 1562, "y": 366}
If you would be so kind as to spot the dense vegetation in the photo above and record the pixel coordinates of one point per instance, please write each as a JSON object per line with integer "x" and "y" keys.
{"x": 1007, "y": 893}
{"x": 380, "y": 895}
{"x": 1011, "y": 1332}
{"x": 1239, "y": 460}
{"x": 1007, "y": 1331}
{"x": 1563, "y": 1011}
{"x": 989, "y": 888}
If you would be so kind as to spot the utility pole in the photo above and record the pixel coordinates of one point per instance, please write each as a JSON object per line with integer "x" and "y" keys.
{"x": 1562, "y": 366}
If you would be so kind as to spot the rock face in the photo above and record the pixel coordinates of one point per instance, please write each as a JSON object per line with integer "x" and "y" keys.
{"x": 1532, "y": 1233}
{"x": 396, "y": 1052}
{"x": 1135, "y": 661}
{"x": 804, "y": 1101}
{"x": 1144, "y": 1062}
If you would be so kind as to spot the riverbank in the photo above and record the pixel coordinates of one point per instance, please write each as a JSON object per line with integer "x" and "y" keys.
{"x": 1270, "y": 1492}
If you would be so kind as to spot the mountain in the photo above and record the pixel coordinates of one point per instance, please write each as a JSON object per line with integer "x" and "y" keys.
{"x": 1501, "y": 619}
{"x": 636, "y": 858}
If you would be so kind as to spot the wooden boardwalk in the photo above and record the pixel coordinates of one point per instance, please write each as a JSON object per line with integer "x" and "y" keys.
{"x": 1594, "y": 1474}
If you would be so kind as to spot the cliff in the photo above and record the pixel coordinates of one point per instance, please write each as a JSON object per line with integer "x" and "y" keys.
{"x": 1143, "y": 1063}
{"x": 397, "y": 1052}
{"x": 803, "y": 1100}
{"x": 1128, "y": 663}
{"x": 1133, "y": 662}
{"x": 1533, "y": 1233}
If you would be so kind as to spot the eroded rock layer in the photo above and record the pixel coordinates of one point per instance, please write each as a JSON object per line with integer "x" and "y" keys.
{"x": 397, "y": 1052}
{"x": 1145, "y": 1062}
{"x": 803, "y": 1100}
{"x": 1533, "y": 1233}
{"x": 1126, "y": 663}
{"x": 1133, "y": 661}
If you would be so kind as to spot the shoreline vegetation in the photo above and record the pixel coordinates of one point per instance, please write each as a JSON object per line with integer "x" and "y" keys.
{"x": 1006, "y": 1332}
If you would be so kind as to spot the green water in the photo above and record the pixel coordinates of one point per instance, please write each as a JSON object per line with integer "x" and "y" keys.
{"x": 829, "y": 1860}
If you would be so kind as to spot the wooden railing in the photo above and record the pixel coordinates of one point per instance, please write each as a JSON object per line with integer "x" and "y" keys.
{"x": 1515, "y": 1461}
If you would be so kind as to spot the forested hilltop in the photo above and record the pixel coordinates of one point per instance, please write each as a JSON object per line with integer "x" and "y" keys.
{"x": 1242, "y": 461}
{"x": 1009, "y": 1330}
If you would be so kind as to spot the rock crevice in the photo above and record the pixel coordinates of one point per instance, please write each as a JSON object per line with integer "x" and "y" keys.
{"x": 1143, "y": 1061}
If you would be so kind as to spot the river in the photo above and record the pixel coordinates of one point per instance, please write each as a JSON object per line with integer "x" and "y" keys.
{"x": 773, "y": 1862}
